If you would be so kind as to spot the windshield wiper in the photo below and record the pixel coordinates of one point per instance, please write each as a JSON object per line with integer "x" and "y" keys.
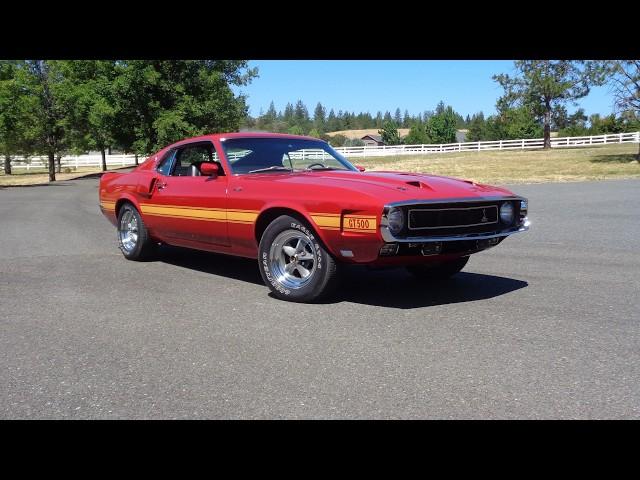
{"x": 274, "y": 167}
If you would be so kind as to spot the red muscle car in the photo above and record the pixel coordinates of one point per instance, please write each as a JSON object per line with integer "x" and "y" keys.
{"x": 303, "y": 211}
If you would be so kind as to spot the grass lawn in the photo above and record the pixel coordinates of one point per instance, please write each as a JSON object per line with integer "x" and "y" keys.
{"x": 516, "y": 166}
{"x": 497, "y": 167}
{"x": 38, "y": 176}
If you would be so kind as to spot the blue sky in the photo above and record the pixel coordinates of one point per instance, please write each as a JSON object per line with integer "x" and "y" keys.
{"x": 372, "y": 85}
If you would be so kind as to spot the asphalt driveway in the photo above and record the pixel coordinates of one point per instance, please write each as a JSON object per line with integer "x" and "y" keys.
{"x": 546, "y": 325}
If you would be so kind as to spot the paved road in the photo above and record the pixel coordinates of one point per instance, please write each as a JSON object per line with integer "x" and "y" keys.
{"x": 547, "y": 325}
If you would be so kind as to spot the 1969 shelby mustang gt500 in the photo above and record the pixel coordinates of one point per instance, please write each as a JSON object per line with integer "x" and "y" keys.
{"x": 303, "y": 211}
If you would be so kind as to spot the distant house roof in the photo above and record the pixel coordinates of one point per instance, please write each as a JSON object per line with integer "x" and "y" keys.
{"x": 377, "y": 138}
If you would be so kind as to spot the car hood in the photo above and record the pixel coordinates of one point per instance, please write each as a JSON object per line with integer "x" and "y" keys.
{"x": 394, "y": 186}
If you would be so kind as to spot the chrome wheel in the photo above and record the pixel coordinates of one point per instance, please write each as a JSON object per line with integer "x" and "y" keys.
{"x": 128, "y": 231}
{"x": 293, "y": 259}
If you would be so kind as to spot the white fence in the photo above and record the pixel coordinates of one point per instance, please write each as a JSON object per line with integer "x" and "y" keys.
{"x": 368, "y": 151}
{"x": 77, "y": 161}
{"x": 524, "y": 144}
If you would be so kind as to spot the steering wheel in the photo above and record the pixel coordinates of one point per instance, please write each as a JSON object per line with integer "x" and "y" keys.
{"x": 317, "y": 163}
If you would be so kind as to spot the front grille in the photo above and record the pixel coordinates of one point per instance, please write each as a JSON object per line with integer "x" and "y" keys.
{"x": 454, "y": 218}
{"x": 435, "y": 218}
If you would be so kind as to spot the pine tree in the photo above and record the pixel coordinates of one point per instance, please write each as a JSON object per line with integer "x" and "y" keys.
{"x": 319, "y": 118}
{"x": 406, "y": 120}
{"x": 398, "y": 117}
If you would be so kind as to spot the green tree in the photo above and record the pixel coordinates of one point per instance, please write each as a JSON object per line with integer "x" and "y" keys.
{"x": 314, "y": 133}
{"x": 441, "y": 127}
{"x": 42, "y": 104}
{"x": 624, "y": 78}
{"x": 288, "y": 114}
{"x": 576, "y": 125}
{"x": 417, "y": 135}
{"x": 164, "y": 101}
{"x": 337, "y": 140}
{"x": 389, "y": 133}
{"x": 14, "y": 122}
{"x": 544, "y": 84}
{"x": 397, "y": 117}
{"x": 477, "y": 128}
{"x": 87, "y": 87}
{"x": 301, "y": 116}
{"x": 319, "y": 118}
{"x": 378, "y": 120}
{"x": 332, "y": 121}
{"x": 406, "y": 120}
{"x": 513, "y": 124}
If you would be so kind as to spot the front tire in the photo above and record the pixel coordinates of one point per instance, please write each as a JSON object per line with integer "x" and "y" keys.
{"x": 133, "y": 237}
{"x": 293, "y": 262}
{"x": 438, "y": 272}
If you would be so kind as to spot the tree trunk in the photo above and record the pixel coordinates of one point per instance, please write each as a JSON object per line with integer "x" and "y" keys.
{"x": 7, "y": 164}
{"x": 59, "y": 163}
{"x": 52, "y": 167}
{"x": 638, "y": 155}
{"x": 547, "y": 125}
{"x": 136, "y": 158}
{"x": 104, "y": 160}
{"x": 109, "y": 150}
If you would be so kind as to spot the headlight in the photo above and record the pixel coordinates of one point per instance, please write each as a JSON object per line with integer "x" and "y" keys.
{"x": 506, "y": 213}
{"x": 395, "y": 219}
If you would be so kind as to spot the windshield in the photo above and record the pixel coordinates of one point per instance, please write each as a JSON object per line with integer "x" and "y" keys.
{"x": 255, "y": 155}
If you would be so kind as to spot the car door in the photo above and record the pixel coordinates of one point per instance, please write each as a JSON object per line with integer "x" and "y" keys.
{"x": 188, "y": 208}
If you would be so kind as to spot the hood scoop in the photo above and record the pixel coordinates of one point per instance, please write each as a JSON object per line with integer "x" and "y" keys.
{"x": 418, "y": 184}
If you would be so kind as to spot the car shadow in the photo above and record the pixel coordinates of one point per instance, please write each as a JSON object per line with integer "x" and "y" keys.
{"x": 396, "y": 288}
{"x": 389, "y": 287}
{"x": 238, "y": 268}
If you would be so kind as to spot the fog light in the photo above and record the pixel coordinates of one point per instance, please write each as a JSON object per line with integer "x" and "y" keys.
{"x": 433, "y": 248}
{"x": 488, "y": 243}
{"x": 389, "y": 249}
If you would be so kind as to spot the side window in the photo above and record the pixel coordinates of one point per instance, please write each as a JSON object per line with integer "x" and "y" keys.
{"x": 165, "y": 164}
{"x": 189, "y": 158}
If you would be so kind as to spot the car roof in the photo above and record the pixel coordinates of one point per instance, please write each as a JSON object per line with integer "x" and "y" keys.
{"x": 224, "y": 136}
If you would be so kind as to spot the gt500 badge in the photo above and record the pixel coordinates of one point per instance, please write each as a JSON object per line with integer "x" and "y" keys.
{"x": 359, "y": 223}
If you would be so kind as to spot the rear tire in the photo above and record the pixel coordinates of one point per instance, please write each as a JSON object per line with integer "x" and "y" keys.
{"x": 293, "y": 262}
{"x": 438, "y": 272}
{"x": 133, "y": 237}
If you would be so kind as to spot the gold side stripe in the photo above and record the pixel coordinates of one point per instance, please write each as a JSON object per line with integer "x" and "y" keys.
{"x": 243, "y": 222}
{"x": 184, "y": 212}
{"x": 323, "y": 214}
{"x": 326, "y": 221}
{"x": 187, "y": 218}
{"x": 201, "y": 209}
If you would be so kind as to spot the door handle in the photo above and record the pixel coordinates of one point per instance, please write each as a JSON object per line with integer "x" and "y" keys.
{"x": 161, "y": 185}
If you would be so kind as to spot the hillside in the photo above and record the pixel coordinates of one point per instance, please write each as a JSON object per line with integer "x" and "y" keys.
{"x": 367, "y": 131}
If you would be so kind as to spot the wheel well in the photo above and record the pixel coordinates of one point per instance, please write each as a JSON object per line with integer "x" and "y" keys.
{"x": 120, "y": 203}
{"x": 270, "y": 215}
